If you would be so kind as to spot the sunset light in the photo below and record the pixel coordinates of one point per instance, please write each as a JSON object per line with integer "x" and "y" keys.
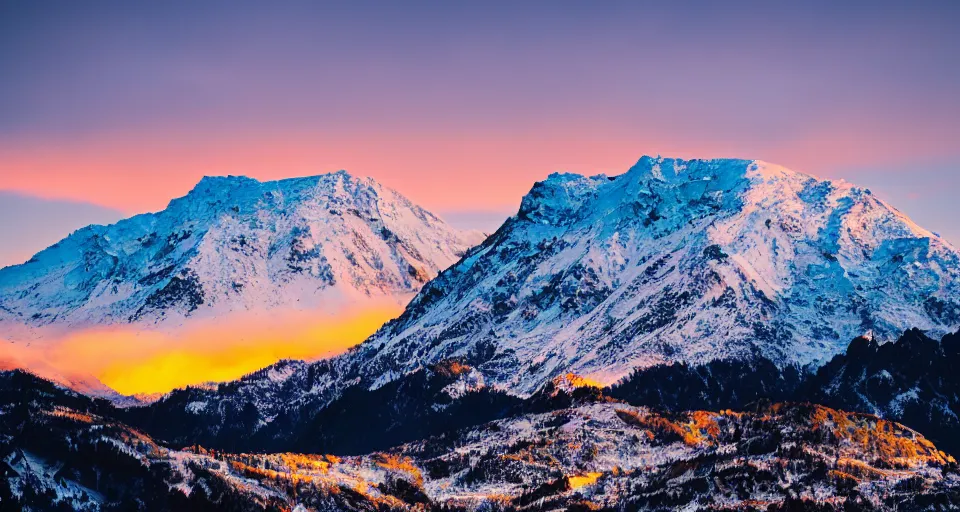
{"x": 145, "y": 362}
{"x": 311, "y": 256}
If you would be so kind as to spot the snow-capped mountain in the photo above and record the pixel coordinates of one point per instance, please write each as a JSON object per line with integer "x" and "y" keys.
{"x": 234, "y": 243}
{"x": 676, "y": 260}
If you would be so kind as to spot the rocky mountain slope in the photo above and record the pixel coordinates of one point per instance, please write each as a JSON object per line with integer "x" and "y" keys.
{"x": 913, "y": 380}
{"x": 233, "y": 243}
{"x": 59, "y": 449}
{"x": 441, "y": 397}
{"x": 675, "y": 260}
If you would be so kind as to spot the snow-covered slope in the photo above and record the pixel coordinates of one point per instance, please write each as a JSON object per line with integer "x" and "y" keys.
{"x": 234, "y": 243}
{"x": 676, "y": 261}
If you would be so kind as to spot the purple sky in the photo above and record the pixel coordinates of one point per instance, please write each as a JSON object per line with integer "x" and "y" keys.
{"x": 115, "y": 107}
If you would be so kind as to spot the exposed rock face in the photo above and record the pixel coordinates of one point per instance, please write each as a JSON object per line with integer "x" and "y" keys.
{"x": 913, "y": 380}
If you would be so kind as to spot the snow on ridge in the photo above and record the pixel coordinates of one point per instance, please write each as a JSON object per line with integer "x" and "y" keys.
{"x": 678, "y": 260}
{"x": 233, "y": 244}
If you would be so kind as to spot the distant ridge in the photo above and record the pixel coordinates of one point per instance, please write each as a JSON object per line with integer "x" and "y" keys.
{"x": 232, "y": 244}
{"x": 234, "y": 241}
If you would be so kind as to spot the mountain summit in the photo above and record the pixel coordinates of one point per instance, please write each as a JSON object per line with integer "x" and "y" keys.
{"x": 235, "y": 243}
{"x": 677, "y": 260}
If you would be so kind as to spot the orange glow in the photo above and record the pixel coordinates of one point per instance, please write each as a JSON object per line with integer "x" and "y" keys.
{"x": 575, "y": 381}
{"x": 142, "y": 171}
{"x": 143, "y": 362}
{"x": 578, "y": 481}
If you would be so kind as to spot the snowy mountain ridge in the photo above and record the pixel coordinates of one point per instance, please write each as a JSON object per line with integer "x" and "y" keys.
{"x": 234, "y": 243}
{"x": 676, "y": 261}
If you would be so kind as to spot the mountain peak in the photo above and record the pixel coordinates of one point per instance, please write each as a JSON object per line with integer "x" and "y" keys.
{"x": 234, "y": 241}
{"x": 680, "y": 261}
{"x": 676, "y": 169}
{"x": 213, "y": 185}
{"x": 218, "y": 180}
{"x": 216, "y": 195}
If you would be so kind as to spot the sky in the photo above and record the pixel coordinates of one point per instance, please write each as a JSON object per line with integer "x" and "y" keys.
{"x": 113, "y": 108}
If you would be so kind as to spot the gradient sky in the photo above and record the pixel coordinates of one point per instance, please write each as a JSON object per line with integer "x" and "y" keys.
{"x": 113, "y": 108}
